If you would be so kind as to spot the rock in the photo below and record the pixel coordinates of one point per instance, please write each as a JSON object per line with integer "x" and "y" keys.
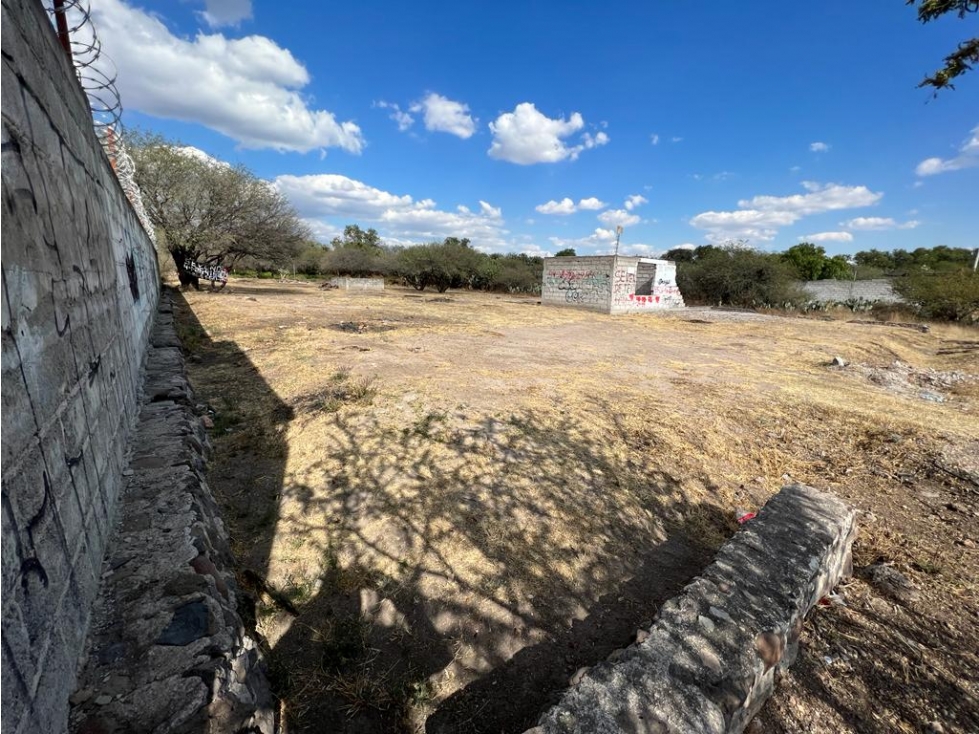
{"x": 190, "y": 622}
{"x": 207, "y": 421}
{"x": 80, "y": 696}
{"x": 838, "y": 362}
{"x": 935, "y": 727}
{"x": 968, "y": 543}
{"x": 870, "y": 517}
{"x": 720, "y": 614}
{"x": 891, "y": 581}
{"x": 578, "y": 675}
{"x": 932, "y": 397}
{"x": 957, "y": 507}
{"x": 103, "y": 700}
{"x": 641, "y": 636}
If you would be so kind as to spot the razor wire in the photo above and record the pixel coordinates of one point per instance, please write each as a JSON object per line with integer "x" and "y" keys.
{"x": 97, "y": 74}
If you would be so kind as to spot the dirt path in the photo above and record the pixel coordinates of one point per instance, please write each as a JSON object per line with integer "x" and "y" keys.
{"x": 467, "y": 498}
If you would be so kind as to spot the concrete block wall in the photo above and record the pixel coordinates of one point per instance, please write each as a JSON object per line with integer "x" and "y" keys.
{"x": 358, "y": 284}
{"x": 584, "y": 282}
{"x": 643, "y": 284}
{"x": 80, "y": 287}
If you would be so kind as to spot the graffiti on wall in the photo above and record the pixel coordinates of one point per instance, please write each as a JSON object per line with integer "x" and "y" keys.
{"x": 578, "y": 285}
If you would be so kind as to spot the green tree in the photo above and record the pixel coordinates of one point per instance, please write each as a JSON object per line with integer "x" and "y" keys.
{"x": 875, "y": 259}
{"x": 679, "y": 254}
{"x": 836, "y": 268}
{"x": 207, "y": 211}
{"x": 566, "y": 252}
{"x": 739, "y": 276}
{"x": 449, "y": 264}
{"x": 354, "y": 236}
{"x": 965, "y": 56}
{"x": 807, "y": 259}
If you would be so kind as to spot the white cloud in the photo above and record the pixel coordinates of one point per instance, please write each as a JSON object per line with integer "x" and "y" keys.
{"x": 676, "y": 139}
{"x": 795, "y": 169}
{"x": 404, "y": 120}
{"x": 618, "y": 218}
{"x": 226, "y": 12}
{"x": 534, "y": 250}
{"x": 635, "y": 200}
{"x": 685, "y": 246}
{"x": 398, "y": 217}
{"x": 638, "y": 249}
{"x": 445, "y": 115}
{"x": 878, "y": 223}
{"x": 968, "y": 157}
{"x": 526, "y": 136}
{"x": 191, "y": 152}
{"x": 599, "y": 237}
{"x": 246, "y": 88}
{"x": 654, "y": 139}
{"x": 818, "y": 147}
{"x": 828, "y": 237}
{"x": 760, "y": 217}
{"x": 565, "y": 206}
{"x": 593, "y": 141}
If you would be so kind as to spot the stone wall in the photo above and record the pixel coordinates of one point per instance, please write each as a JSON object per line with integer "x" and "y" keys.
{"x": 167, "y": 648}
{"x": 584, "y": 282}
{"x": 643, "y": 284}
{"x": 358, "y": 284}
{"x": 80, "y": 287}
{"x": 841, "y": 291}
{"x": 709, "y": 661}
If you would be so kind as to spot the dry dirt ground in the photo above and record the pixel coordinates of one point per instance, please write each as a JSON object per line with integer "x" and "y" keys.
{"x": 445, "y": 505}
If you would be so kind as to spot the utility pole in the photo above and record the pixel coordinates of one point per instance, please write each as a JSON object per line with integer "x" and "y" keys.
{"x": 62, "y": 23}
{"x": 975, "y": 263}
{"x": 618, "y": 234}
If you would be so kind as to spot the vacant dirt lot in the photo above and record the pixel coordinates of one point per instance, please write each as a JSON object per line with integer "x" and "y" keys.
{"x": 447, "y": 505}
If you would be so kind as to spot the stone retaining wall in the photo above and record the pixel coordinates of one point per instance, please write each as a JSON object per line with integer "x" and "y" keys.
{"x": 709, "y": 661}
{"x": 167, "y": 649}
{"x": 841, "y": 291}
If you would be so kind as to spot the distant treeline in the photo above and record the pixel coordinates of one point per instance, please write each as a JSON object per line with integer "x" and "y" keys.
{"x": 937, "y": 281}
{"x": 810, "y": 262}
{"x": 452, "y": 263}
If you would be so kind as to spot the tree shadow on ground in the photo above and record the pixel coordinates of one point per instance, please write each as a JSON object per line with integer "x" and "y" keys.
{"x": 454, "y": 573}
{"x": 869, "y": 662}
{"x": 445, "y": 573}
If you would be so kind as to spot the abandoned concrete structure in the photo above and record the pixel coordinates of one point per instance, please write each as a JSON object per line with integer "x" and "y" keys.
{"x": 611, "y": 283}
{"x": 358, "y": 284}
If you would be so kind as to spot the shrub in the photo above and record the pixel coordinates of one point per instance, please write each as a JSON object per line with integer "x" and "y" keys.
{"x": 947, "y": 296}
{"x": 738, "y": 277}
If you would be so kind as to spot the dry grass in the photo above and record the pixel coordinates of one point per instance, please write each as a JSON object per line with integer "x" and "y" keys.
{"x": 473, "y": 484}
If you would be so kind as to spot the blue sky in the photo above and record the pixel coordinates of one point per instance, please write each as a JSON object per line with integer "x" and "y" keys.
{"x": 535, "y": 126}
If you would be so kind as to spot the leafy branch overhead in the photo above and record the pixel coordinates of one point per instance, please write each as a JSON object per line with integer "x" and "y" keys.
{"x": 965, "y": 56}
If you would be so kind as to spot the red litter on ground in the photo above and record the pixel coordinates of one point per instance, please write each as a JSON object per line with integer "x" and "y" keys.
{"x": 745, "y": 516}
